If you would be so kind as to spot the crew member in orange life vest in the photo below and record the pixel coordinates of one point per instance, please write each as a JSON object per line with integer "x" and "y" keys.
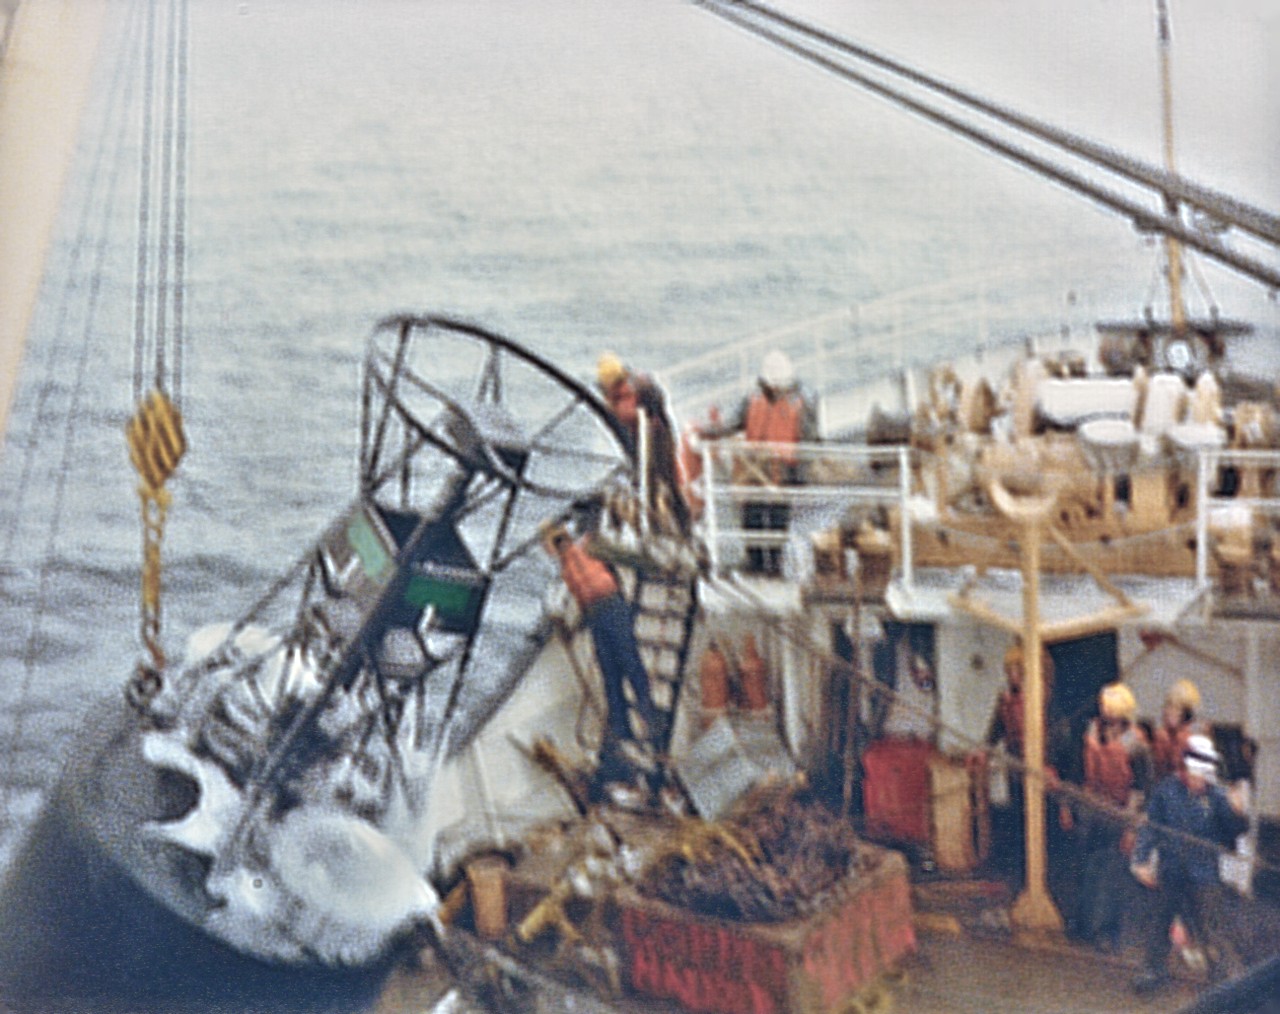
{"x": 627, "y": 392}
{"x": 608, "y": 616}
{"x": 1006, "y": 727}
{"x": 1117, "y": 773}
{"x": 778, "y": 413}
{"x": 1178, "y": 723}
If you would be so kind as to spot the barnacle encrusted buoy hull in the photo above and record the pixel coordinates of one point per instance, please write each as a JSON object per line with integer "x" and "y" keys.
{"x": 78, "y": 931}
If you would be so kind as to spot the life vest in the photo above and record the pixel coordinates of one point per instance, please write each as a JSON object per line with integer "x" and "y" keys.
{"x": 755, "y": 678}
{"x": 714, "y": 674}
{"x": 1108, "y": 771}
{"x": 1010, "y": 706}
{"x": 588, "y": 579}
{"x": 774, "y": 422}
{"x": 624, "y": 403}
{"x": 1167, "y": 747}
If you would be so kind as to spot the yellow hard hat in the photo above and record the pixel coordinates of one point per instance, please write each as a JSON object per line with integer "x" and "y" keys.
{"x": 609, "y": 370}
{"x": 1013, "y": 656}
{"x": 1184, "y": 694}
{"x": 550, "y": 530}
{"x": 1117, "y": 701}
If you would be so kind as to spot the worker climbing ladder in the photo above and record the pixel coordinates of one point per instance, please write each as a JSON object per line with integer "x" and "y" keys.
{"x": 657, "y": 568}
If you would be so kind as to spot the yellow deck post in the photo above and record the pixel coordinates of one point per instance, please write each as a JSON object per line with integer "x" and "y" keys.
{"x": 1034, "y": 908}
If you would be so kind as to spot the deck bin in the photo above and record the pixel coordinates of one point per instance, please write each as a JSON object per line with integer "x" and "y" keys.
{"x": 812, "y": 965}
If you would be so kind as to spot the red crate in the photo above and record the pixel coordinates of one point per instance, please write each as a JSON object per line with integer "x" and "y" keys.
{"x": 815, "y": 965}
{"x": 895, "y": 789}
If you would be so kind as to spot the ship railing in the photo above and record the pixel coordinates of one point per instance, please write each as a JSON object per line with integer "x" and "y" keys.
{"x": 1217, "y": 515}
{"x": 822, "y": 484}
{"x": 971, "y": 315}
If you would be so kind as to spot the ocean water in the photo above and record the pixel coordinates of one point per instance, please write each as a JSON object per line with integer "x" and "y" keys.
{"x": 577, "y": 174}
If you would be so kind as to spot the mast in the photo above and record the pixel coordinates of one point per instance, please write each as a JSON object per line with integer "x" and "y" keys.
{"x": 1173, "y": 248}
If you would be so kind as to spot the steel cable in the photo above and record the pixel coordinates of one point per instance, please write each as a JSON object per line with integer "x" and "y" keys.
{"x": 140, "y": 337}
{"x": 1143, "y": 218}
{"x": 1172, "y": 186}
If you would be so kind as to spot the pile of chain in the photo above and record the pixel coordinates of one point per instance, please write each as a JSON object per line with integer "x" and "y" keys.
{"x": 777, "y": 862}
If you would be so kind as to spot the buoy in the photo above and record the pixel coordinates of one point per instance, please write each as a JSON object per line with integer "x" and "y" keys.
{"x": 755, "y": 679}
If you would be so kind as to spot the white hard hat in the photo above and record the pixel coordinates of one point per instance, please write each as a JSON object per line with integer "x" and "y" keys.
{"x": 1200, "y": 757}
{"x": 776, "y": 370}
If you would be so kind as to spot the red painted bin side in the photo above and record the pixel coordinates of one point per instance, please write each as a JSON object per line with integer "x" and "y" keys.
{"x": 815, "y": 965}
{"x": 895, "y": 789}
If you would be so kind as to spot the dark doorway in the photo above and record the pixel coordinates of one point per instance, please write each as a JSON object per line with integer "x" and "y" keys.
{"x": 1082, "y": 667}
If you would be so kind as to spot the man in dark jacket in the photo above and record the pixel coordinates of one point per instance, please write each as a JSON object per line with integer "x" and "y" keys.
{"x": 1189, "y": 819}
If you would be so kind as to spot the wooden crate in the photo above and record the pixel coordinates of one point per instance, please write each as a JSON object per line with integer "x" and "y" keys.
{"x": 813, "y": 965}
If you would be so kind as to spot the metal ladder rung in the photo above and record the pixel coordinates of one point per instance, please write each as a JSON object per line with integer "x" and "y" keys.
{"x": 663, "y": 614}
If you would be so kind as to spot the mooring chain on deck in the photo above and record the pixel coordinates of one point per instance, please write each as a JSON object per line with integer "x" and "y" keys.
{"x": 796, "y": 635}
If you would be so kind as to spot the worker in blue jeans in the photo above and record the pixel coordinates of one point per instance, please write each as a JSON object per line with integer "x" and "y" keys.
{"x": 609, "y": 617}
{"x": 1189, "y": 818}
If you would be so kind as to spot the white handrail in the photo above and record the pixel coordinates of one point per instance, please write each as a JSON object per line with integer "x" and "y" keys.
{"x": 721, "y": 492}
{"x": 1202, "y": 521}
{"x": 844, "y": 491}
{"x": 840, "y": 343}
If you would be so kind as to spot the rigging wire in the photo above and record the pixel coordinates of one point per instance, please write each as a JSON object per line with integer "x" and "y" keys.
{"x": 159, "y": 303}
{"x": 1172, "y": 186}
{"x": 144, "y": 204}
{"x": 180, "y": 202}
{"x": 165, "y": 243}
{"x": 155, "y": 433}
{"x": 1143, "y": 218}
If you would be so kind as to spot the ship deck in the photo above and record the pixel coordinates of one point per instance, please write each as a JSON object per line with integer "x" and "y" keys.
{"x": 953, "y": 972}
{"x": 967, "y": 958}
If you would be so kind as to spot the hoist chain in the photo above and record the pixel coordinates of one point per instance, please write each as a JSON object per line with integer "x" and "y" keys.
{"x": 156, "y": 445}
